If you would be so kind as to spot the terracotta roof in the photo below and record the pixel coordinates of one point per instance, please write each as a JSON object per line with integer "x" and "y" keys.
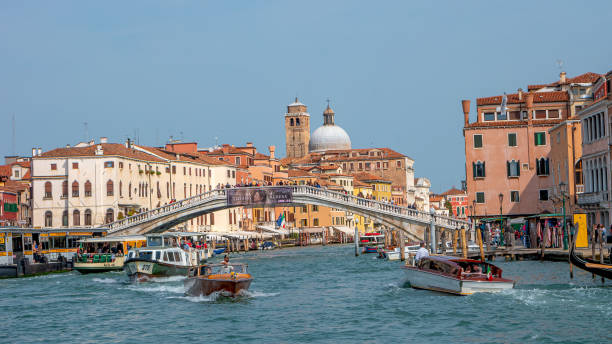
{"x": 360, "y": 184}
{"x": 538, "y": 97}
{"x": 193, "y": 157}
{"x": 453, "y": 191}
{"x": 300, "y": 173}
{"x": 585, "y": 78}
{"x": 365, "y": 177}
{"x": 260, "y": 156}
{"x": 5, "y": 170}
{"x": 435, "y": 198}
{"x": 387, "y": 153}
{"x": 28, "y": 175}
{"x": 108, "y": 149}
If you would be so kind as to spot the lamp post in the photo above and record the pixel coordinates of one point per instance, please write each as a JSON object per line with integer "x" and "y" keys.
{"x": 501, "y": 220}
{"x": 563, "y": 190}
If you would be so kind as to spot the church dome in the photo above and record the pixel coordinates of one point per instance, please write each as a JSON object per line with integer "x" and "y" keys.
{"x": 329, "y": 136}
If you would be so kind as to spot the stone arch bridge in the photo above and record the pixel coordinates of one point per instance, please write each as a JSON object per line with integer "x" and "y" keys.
{"x": 411, "y": 222}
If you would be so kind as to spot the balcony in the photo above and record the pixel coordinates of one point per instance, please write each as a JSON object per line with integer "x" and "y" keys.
{"x": 579, "y": 188}
{"x": 592, "y": 198}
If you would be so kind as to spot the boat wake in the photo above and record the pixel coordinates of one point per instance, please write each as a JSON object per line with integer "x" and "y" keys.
{"x": 167, "y": 279}
{"x": 256, "y": 294}
{"x": 148, "y": 288}
{"x": 105, "y": 280}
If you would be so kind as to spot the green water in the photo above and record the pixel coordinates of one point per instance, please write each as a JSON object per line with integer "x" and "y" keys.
{"x": 308, "y": 295}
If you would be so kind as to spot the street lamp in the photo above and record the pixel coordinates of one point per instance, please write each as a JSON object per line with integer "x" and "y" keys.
{"x": 501, "y": 220}
{"x": 563, "y": 190}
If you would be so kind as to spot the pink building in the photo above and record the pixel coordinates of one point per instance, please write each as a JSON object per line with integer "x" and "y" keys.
{"x": 507, "y": 152}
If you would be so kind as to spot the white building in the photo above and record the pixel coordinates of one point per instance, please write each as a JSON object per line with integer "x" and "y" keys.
{"x": 92, "y": 184}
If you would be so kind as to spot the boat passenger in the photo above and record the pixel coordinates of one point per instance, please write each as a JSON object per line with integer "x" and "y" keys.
{"x": 477, "y": 269}
{"x": 226, "y": 269}
{"x": 421, "y": 252}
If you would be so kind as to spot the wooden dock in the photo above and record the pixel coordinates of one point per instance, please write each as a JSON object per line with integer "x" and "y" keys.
{"x": 550, "y": 254}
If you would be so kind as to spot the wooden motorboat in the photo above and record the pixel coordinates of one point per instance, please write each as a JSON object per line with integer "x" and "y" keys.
{"x": 590, "y": 265}
{"x": 394, "y": 254}
{"x": 227, "y": 279}
{"x": 456, "y": 276}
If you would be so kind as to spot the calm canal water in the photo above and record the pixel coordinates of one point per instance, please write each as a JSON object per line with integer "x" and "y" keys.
{"x": 308, "y": 295}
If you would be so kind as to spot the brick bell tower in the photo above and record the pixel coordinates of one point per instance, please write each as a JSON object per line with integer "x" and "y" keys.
{"x": 297, "y": 129}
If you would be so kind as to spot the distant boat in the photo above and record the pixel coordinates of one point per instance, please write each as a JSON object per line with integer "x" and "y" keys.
{"x": 456, "y": 276}
{"x": 218, "y": 251}
{"x": 395, "y": 253}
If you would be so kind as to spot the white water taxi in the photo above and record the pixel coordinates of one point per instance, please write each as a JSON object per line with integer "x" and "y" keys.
{"x": 457, "y": 276}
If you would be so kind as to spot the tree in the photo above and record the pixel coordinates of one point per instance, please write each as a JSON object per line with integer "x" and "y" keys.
{"x": 449, "y": 206}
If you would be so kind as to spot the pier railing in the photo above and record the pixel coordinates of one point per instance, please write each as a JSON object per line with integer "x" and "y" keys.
{"x": 301, "y": 194}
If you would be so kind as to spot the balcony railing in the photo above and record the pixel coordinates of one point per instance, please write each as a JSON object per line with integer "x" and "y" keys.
{"x": 591, "y": 198}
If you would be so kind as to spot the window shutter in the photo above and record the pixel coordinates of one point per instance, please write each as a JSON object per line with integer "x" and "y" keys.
{"x": 518, "y": 168}
{"x": 474, "y": 170}
{"x": 508, "y": 168}
{"x": 547, "y": 167}
{"x": 483, "y": 170}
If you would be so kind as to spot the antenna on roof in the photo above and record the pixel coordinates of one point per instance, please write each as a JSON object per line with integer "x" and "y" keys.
{"x": 560, "y": 65}
{"x": 13, "y": 123}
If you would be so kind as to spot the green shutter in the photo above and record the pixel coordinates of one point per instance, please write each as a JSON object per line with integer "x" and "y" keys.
{"x": 473, "y": 170}
{"x": 508, "y": 168}
{"x": 483, "y": 170}
{"x": 518, "y": 168}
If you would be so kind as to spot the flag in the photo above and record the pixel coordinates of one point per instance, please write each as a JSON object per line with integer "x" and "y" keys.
{"x": 280, "y": 222}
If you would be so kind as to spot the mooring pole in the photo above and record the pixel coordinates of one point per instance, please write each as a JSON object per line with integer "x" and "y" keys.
{"x": 479, "y": 238}
{"x": 356, "y": 240}
{"x": 463, "y": 243}
{"x": 402, "y": 243}
{"x": 432, "y": 233}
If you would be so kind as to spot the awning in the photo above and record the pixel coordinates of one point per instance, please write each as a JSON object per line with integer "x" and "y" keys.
{"x": 517, "y": 220}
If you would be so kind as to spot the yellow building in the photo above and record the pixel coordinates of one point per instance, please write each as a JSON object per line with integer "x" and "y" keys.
{"x": 381, "y": 188}
{"x": 363, "y": 224}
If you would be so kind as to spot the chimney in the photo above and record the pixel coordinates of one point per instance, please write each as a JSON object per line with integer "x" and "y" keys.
{"x": 67, "y": 146}
{"x": 249, "y": 144}
{"x": 272, "y": 149}
{"x": 520, "y": 94}
{"x": 104, "y": 139}
{"x": 562, "y": 78}
{"x": 529, "y": 106}
{"x": 99, "y": 150}
{"x": 39, "y": 151}
{"x": 33, "y": 152}
{"x": 466, "y": 111}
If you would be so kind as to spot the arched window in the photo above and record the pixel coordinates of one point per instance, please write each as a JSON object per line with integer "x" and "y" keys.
{"x": 542, "y": 167}
{"x": 120, "y": 189}
{"x": 291, "y": 122}
{"x": 513, "y": 168}
{"x": 64, "y": 189}
{"x": 110, "y": 216}
{"x": 75, "y": 189}
{"x": 478, "y": 169}
{"x": 88, "y": 189}
{"x": 87, "y": 217}
{"x": 76, "y": 218}
{"x": 65, "y": 218}
{"x": 167, "y": 190}
{"x": 212, "y": 219}
{"x": 297, "y": 121}
{"x": 130, "y": 190}
{"x": 48, "y": 190}
{"x": 109, "y": 188}
{"x": 48, "y": 219}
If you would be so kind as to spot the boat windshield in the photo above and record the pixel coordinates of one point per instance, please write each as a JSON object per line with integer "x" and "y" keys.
{"x": 223, "y": 269}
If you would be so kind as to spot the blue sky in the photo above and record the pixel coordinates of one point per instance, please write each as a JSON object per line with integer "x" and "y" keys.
{"x": 395, "y": 71}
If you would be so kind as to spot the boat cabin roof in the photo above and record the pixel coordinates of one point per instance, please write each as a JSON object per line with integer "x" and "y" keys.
{"x": 121, "y": 238}
{"x": 453, "y": 260}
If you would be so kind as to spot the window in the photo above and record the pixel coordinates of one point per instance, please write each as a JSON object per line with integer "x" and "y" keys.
{"x": 121, "y": 188}
{"x": 53, "y": 167}
{"x": 184, "y": 170}
{"x": 76, "y": 218}
{"x": 489, "y": 116}
{"x": 542, "y": 167}
{"x": 16, "y": 173}
{"x": 478, "y": 169}
{"x": 540, "y": 138}
{"x": 360, "y": 166}
{"x": 109, "y": 164}
{"x": 514, "y": 115}
{"x": 304, "y": 209}
{"x": 315, "y": 208}
{"x": 513, "y": 168}
{"x": 64, "y": 189}
{"x": 75, "y": 189}
{"x": 297, "y": 121}
{"x": 398, "y": 164}
{"x": 291, "y": 122}
{"x": 514, "y": 196}
{"x": 543, "y": 195}
{"x": 501, "y": 116}
{"x": 109, "y": 188}
{"x": 110, "y": 215}
{"x": 48, "y": 190}
{"x": 237, "y": 160}
{"x": 229, "y": 174}
{"x": 233, "y": 174}
{"x": 477, "y": 141}
{"x": 553, "y": 114}
{"x": 511, "y": 139}
{"x": 88, "y": 189}
{"x": 120, "y": 164}
{"x": 173, "y": 169}
{"x": 315, "y": 222}
{"x": 75, "y": 165}
{"x": 48, "y": 219}
{"x": 480, "y": 197}
{"x": 540, "y": 114}
{"x": 87, "y": 217}
{"x": 65, "y": 218}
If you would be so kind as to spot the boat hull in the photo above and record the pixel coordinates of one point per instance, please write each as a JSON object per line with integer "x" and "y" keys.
{"x": 142, "y": 270}
{"x": 226, "y": 285}
{"x": 370, "y": 249}
{"x": 88, "y": 268}
{"x": 420, "y": 279}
